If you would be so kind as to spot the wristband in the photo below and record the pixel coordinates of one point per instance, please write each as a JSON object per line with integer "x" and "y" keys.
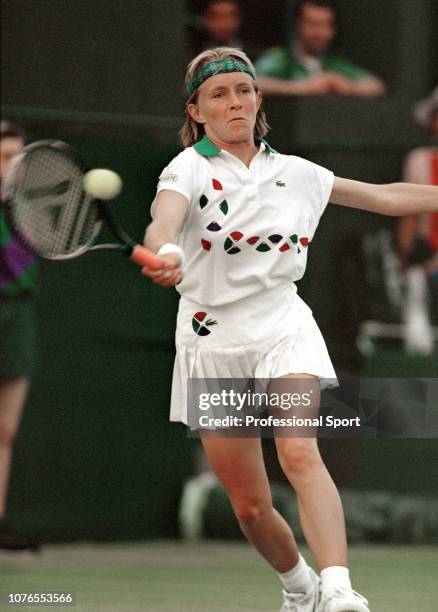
{"x": 169, "y": 247}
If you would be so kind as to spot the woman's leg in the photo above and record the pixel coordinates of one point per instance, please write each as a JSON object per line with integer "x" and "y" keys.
{"x": 319, "y": 503}
{"x": 12, "y": 397}
{"x": 239, "y": 465}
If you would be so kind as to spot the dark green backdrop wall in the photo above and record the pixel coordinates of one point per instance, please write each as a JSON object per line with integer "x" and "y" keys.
{"x": 105, "y": 55}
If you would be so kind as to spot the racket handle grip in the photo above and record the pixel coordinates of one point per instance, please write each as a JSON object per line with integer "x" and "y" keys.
{"x": 143, "y": 257}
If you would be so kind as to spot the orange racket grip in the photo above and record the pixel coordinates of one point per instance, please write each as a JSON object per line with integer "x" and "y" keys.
{"x": 143, "y": 257}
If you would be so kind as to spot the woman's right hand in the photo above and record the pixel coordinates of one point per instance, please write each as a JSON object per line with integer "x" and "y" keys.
{"x": 169, "y": 274}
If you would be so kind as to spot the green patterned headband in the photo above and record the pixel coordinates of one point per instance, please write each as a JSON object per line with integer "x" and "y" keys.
{"x": 217, "y": 67}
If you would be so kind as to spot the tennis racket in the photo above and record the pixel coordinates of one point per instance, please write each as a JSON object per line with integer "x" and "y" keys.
{"x": 50, "y": 212}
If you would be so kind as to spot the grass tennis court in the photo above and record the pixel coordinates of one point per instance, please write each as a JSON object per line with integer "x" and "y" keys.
{"x": 207, "y": 577}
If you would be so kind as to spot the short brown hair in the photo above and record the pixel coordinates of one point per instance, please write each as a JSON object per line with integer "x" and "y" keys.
{"x": 192, "y": 131}
{"x": 326, "y": 4}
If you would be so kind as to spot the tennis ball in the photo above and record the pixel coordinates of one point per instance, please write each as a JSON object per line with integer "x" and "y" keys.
{"x": 102, "y": 184}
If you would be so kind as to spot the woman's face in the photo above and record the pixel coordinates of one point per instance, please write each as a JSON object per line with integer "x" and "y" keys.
{"x": 227, "y": 106}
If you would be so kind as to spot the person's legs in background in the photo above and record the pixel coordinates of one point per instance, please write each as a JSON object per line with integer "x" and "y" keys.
{"x": 12, "y": 398}
{"x": 13, "y": 395}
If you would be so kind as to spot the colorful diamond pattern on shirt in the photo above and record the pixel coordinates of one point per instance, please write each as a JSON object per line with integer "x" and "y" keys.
{"x": 224, "y": 207}
{"x": 229, "y": 244}
{"x": 262, "y": 245}
{"x": 275, "y": 238}
{"x": 200, "y": 325}
{"x": 253, "y": 239}
{"x": 304, "y": 242}
{"x": 266, "y": 244}
{"x": 214, "y": 226}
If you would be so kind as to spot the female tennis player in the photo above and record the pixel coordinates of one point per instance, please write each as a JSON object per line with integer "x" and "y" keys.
{"x": 232, "y": 221}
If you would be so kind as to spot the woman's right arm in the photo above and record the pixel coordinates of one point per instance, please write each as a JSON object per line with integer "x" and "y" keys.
{"x": 167, "y": 220}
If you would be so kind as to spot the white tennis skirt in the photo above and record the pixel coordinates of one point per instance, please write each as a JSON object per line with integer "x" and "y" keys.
{"x": 265, "y": 336}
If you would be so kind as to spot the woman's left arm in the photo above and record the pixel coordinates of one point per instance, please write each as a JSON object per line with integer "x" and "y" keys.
{"x": 395, "y": 199}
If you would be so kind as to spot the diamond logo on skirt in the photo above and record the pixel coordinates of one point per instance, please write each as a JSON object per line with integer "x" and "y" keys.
{"x": 200, "y": 324}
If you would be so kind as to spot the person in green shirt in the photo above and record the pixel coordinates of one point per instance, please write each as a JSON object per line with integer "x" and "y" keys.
{"x": 308, "y": 67}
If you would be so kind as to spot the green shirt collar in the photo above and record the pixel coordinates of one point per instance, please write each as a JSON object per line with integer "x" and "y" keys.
{"x": 207, "y": 149}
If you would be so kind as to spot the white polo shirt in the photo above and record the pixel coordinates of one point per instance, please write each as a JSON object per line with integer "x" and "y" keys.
{"x": 247, "y": 230}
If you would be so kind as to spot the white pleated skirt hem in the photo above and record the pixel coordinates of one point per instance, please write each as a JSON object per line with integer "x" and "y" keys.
{"x": 304, "y": 352}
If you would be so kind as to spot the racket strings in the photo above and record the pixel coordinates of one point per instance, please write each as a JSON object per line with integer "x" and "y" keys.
{"x": 52, "y": 212}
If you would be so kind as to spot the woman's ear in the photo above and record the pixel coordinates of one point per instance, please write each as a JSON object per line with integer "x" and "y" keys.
{"x": 195, "y": 113}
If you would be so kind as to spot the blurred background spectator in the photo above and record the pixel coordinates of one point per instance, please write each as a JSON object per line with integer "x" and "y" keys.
{"x": 417, "y": 237}
{"x": 17, "y": 337}
{"x": 220, "y": 25}
{"x": 307, "y": 66}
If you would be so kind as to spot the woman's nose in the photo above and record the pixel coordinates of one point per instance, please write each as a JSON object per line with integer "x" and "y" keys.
{"x": 235, "y": 101}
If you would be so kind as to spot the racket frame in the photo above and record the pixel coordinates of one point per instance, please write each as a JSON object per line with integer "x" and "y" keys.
{"x": 126, "y": 244}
